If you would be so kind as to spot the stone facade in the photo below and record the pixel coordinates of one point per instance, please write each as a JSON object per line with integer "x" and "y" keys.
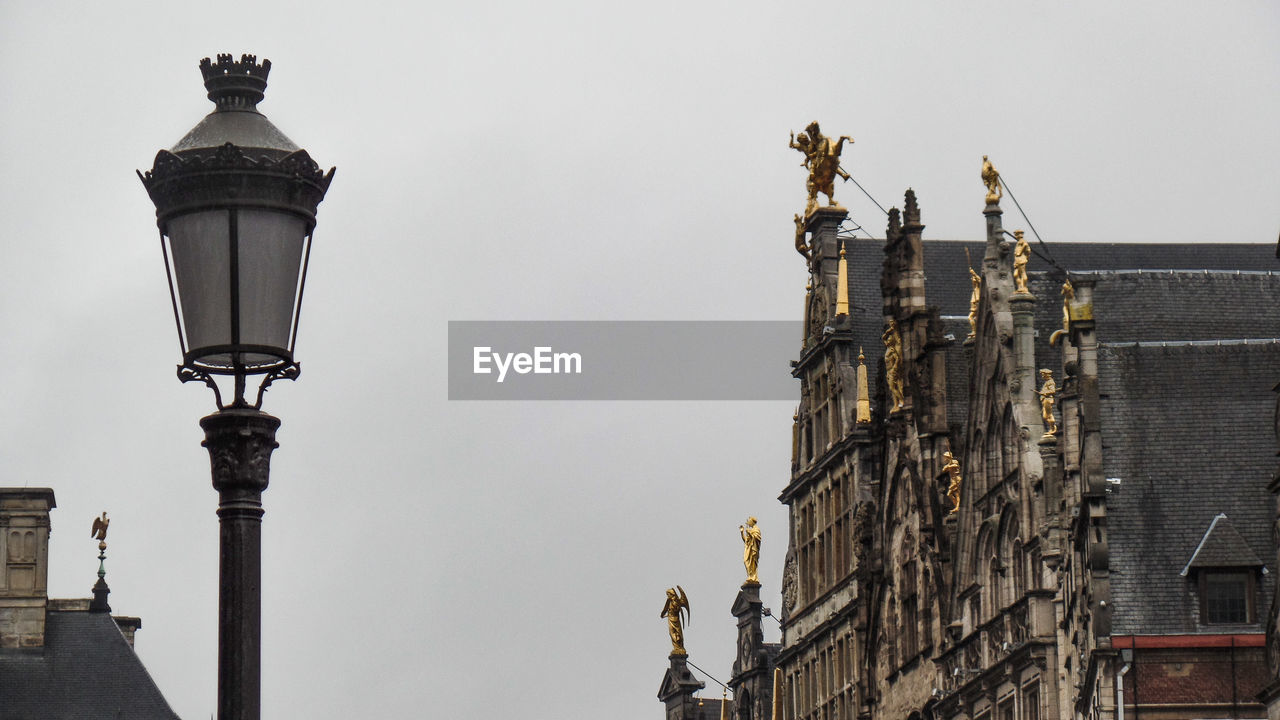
{"x": 24, "y": 574}
{"x": 1113, "y": 566}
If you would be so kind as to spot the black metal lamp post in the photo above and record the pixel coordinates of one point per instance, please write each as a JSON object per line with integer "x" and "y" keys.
{"x": 236, "y": 206}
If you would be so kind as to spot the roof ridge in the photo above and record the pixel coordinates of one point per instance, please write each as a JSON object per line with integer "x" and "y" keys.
{"x": 1193, "y": 343}
{"x": 1167, "y": 271}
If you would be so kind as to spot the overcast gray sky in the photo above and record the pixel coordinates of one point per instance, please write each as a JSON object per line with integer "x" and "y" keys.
{"x": 538, "y": 161}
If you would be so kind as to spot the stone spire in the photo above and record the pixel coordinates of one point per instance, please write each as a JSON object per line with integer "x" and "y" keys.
{"x": 864, "y": 391}
{"x": 842, "y": 285}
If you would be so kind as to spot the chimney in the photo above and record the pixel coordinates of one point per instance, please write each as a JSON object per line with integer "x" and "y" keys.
{"x": 24, "y": 575}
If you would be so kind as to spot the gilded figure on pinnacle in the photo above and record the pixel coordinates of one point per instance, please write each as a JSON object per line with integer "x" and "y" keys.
{"x": 822, "y": 160}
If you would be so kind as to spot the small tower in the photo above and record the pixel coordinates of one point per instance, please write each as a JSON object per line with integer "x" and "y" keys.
{"x": 24, "y": 575}
{"x": 752, "y": 680}
{"x": 678, "y": 689}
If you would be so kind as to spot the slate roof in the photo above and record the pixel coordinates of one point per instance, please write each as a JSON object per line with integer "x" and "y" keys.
{"x": 85, "y": 671}
{"x": 1152, "y": 292}
{"x": 1187, "y": 430}
{"x": 947, "y": 280}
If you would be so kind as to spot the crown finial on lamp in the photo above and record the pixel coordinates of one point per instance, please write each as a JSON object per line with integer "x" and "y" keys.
{"x": 235, "y": 85}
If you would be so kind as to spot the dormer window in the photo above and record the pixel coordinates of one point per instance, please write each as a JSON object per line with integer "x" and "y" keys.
{"x": 1225, "y": 569}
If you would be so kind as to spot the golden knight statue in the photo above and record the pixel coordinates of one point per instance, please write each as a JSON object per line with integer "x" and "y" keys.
{"x": 1021, "y": 256}
{"x": 953, "y": 490}
{"x": 991, "y": 178}
{"x": 822, "y": 160}
{"x": 751, "y": 549}
{"x": 677, "y": 602}
{"x": 1047, "y": 392}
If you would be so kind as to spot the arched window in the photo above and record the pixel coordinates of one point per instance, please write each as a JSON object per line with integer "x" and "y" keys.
{"x": 1019, "y": 562}
{"x": 910, "y": 620}
{"x": 1008, "y": 549}
{"x": 974, "y": 468}
{"x": 1009, "y": 434}
{"x": 995, "y": 458}
{"x": 991, "y": 576}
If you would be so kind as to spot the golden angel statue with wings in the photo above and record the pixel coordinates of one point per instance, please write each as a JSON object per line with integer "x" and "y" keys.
{"x": 677, "y": 603}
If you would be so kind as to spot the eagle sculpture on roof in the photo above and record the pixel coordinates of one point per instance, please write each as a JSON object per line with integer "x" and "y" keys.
{"x": 100, "y": 528}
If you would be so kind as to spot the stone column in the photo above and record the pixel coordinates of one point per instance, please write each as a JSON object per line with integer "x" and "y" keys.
{"x": 240, "y": 441}
{"x": 1022, "y": 388}
{"x": 752, "y": 680}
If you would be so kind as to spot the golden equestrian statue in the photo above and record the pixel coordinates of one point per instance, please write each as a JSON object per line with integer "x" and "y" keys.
{"x": 1021, "y": 256}
{"x": 677, "y": 602}
{"x": 953, "y": 490}
{"x": 1047, "y": 392}
{"x": 991, "y": 178}
{"x": 822, "y": 159}
{"x": 751, "y": 549}
{"x": 893, "y": 363}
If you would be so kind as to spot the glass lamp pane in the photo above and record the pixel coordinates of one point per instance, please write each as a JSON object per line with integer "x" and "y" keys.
{"x": 200, "y": 243}
{"x": 270, "y": 260}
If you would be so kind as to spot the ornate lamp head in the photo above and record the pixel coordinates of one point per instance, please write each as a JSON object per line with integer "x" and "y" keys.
{"x": 236, "y": 207}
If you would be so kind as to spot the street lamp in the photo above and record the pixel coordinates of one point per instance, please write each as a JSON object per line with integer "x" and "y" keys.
{"x": 236, "y": 206}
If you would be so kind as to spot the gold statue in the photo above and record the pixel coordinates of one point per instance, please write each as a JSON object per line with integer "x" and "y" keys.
{"x": 1046, "y": 393}
{"x": 1068, "y": 294}
{"x": 99, "y": 530}
{"x": 976, "y": 280}
{"x": 801, "y": 246}
{"x": 822, "y": 159}
{"x": 677, "y": 602}
{"x": 751, "y": 549}
{"x": 953, "y": 490}
{"x": 991, "y": 179}
{"x": 1021, "y": 256}
{"x": 893, "y": 363}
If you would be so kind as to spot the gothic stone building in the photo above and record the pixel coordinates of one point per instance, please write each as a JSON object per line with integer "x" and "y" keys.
{"x": 1111, "y": 567}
